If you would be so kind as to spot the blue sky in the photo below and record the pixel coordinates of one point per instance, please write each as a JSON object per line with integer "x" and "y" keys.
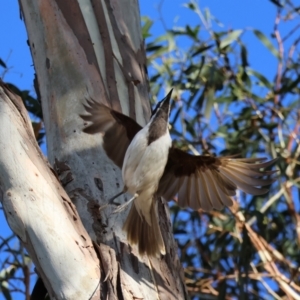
{"x": 234, "y": 14}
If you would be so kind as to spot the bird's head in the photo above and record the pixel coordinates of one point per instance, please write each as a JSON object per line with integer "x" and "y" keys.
{"x": 162, "y": 108}
{"x": 159, "y": 123}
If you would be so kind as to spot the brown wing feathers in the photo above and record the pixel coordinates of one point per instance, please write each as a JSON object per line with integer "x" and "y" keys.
{"x": 99, "y": 115}
{"x": 208, "y": 182}
{"x": 118, "y": 130}
{"x": 246, "y": 174}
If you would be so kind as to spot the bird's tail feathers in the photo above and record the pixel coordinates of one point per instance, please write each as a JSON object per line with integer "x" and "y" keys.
{"x": 147, "y": 237}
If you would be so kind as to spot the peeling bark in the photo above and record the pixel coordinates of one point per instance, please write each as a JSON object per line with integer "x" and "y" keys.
{"x": 94, "y": 49}
{"x": 40, "y": 212}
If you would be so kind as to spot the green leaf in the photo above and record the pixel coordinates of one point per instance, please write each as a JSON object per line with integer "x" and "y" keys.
{"x": 5, "y": 290}
{"x": 191, "y": 69}
{"x": 266, "y": 42}
{"x": 192, "y": 32}
{"x": 146, "y": 27}
{"x": 244, "y": 56}
{"x": 190, "y": 5}
{"x": 210, "y": 98}
{"x": 151, "y": 47}
{"x": 289, "y": 87}
{"x": 261, "y": 78}
{"x": 237, "y": 91}
{"x": 224, "y": 99}
{"x": 232, "y": 36}
{"x": 202, "y": 49}
{"x": 158, "y": 53}
{"x": 207, "y": 15}
{"x": 270, "y": 126}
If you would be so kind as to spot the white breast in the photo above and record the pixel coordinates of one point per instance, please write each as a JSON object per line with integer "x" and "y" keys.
{"x": 144, "y": 164}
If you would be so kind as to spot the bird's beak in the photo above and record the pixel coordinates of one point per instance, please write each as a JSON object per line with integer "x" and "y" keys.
{"x": 166, "y": 101}
{"x": 168, "y": 97}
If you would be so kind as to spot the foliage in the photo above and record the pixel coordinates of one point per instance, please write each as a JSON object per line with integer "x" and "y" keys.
{"x": 223, "y": 107}
{"x": 16, "y": 268}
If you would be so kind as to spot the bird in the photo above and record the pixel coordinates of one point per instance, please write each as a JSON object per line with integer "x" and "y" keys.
{"x": 153, "y": 167}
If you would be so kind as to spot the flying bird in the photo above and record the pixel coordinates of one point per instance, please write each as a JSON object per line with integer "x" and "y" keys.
{"x": 151, "y": 167}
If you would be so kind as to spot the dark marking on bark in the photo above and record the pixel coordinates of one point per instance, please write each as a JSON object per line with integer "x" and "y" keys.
{"x": 70, "y": 205}
{"x": 134, "y": 262}
{"x": 165, "y": 270}
{"x": 67, "y": 179}
{"x": 117, "y": 248}
{"x": 136, "y": 82}
{"x": 119, "y": 281}
{"x": 38, "y": 95}
{"x": 111, "y": 270}
{"x": 93, "y": 208}
{"x": 99, "y": 183}
{"x": 60, "y": 166}
{"x": 103, "y": 282}
{"x": 74, "y": 18}
{"x": 128, "y": 58}
{"x": 103, "y": 226}
{"x": 132, "y": 112}
{"x": 98, "y": 225}
{"x": 129, "y": 80}
{"x": 54, "y": 173}
{"x": 108, "y": 53}
{"x": 47, "y": 63}
{"x": 134, "y": 61}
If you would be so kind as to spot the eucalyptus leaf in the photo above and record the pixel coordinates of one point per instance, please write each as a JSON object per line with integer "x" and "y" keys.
{"x": 231, "y": 37}
{"x": 266, "y": 42}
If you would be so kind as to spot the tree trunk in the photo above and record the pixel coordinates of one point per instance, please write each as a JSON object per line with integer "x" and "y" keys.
{"x": 40, "y": 212}
{"x": 81, "y": 50}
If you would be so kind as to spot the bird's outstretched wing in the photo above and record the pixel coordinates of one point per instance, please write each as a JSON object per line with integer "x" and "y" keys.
{"x": 208, "y": 182}
{"x": 118, "y": 130}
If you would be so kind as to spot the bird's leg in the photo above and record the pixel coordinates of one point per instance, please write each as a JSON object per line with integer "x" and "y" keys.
{"x": 111, "y": 200}
{"x": 124, "y": 205}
